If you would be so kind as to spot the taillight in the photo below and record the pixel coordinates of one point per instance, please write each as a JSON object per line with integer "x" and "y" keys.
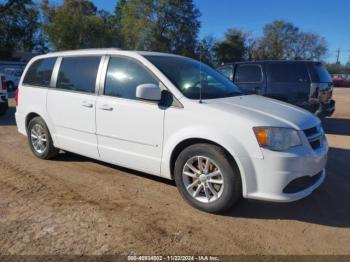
{"x": 16, "y": 96}
{"x": 314, "y": 91}
{"x": 3, "y": 83}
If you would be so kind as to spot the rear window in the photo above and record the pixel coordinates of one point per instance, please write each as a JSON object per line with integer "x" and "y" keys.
{"x": 322, "y": 73}
{"x": 287, "y": 72}
{"x": 78, "y": 73}
{"x": 39, "y": 73}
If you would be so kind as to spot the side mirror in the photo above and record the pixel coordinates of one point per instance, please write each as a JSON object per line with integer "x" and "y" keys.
{"x": 150, "y": 92}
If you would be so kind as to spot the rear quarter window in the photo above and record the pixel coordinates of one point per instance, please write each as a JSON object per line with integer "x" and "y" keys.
{"x": 321, "y": 73}
{"x": 39, "y": 73}
{"x": 287, "y": 73}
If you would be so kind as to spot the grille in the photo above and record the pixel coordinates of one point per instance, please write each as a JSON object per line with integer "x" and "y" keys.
{"x": 310, "y": 131}
{"x": 315, "y": 136}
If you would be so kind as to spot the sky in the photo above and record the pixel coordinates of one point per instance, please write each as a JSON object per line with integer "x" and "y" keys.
{"x": 330, "y": 19}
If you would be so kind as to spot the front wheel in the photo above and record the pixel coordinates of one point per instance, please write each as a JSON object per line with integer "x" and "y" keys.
{"x": 40, "y": 140}
{"x": 207, "y": 179}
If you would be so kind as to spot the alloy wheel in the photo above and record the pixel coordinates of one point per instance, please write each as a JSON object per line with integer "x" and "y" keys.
{"x": 203, "y": 179}
{"x": 38, "y": 138}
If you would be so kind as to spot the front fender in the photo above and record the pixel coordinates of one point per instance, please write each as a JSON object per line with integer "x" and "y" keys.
{"x": 236, "y": 148}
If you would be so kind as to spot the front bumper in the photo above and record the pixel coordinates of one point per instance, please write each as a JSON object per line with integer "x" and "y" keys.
{"x": 272, "y": 177}
{"x": 326, "y": 109}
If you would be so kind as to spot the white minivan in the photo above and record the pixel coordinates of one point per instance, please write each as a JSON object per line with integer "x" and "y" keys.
{"x": 173, "y": 117}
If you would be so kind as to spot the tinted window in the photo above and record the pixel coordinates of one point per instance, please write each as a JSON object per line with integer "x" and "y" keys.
{"x": 248, "y": 74}
{"x": 78, "y": 73}
{"x": 323, "y": 75}
{"x": 193, "y": 78}
{"x": 39, "y": 73}
{"x": 226, "y": 71}
{"x": 124, "y": 75}
{"x": 287, "y": 72}
{"x": 18, "y": 73}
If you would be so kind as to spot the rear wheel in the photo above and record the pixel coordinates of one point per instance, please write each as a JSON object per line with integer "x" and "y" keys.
{"x": 207, "y": 179}
{"x": 40, "y": 140}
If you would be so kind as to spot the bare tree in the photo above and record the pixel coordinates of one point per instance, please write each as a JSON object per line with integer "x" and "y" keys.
{"x": 307, "y": 46}
{"x": 283, "y": 40}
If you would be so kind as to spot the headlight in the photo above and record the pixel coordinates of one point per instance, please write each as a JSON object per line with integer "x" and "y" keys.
{"x": 277, "y": 138}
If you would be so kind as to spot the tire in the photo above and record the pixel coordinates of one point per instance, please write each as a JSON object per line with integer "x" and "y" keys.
{"x": 3, "y": 108}
{"x": 37, "y": 128}
{"x": 227, "y": 194}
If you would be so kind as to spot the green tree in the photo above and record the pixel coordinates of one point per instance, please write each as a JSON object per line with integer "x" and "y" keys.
{"x": 205, "y": 50}
{"x": 118, "y": 11}
{"x": 19, "y": 27}
{"x": 159, "y": 25}
{"x": 77, "y": 24}
{"x": 337, "y": 68}
{"x": 176, "y": 27}
{"x": 232, "y": 48}
{"x": 136, "y": 23}
{"x": 278, "y": 35}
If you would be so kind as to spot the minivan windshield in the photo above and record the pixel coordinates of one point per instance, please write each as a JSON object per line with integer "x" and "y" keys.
{"x": 191, "y": 77}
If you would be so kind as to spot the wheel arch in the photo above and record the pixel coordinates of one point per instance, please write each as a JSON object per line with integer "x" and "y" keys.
{"x": 192, "y": 141}
{"x": 29, "y": 117}
{"x": 32, "y": 115}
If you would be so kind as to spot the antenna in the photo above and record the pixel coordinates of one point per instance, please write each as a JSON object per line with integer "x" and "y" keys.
{"x": 200, "y": 73}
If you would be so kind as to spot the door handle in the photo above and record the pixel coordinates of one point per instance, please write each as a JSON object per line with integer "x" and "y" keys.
{"x": 106, "y": 108}
{"x": 87, "y": 104}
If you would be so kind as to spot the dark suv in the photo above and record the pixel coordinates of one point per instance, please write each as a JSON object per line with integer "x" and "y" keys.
{"x": 303, "y": 83}
{"x": 3, "y": 95}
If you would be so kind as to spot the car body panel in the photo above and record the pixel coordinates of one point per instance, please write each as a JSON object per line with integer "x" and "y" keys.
{"x": 135, "y": 141}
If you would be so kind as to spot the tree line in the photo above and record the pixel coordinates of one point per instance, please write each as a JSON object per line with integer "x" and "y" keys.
{"x": 156, "y": 25}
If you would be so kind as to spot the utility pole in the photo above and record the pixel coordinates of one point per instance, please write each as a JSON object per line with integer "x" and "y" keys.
{"x": 338, "y": 55}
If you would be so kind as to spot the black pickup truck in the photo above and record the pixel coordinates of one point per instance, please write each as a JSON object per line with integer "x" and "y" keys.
{"x": 302, "y": 83}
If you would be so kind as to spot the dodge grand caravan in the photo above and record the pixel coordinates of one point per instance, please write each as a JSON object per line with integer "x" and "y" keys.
{"x": 174, "y": 117}
{"x": 302, "y": 83}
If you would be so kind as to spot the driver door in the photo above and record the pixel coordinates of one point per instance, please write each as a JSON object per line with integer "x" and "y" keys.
{"x": 129, "y": 130}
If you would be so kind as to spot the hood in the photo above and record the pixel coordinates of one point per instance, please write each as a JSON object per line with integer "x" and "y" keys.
{"x": 266, "y": 111}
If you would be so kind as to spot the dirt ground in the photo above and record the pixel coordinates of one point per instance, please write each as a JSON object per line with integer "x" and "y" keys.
{"x": 75, "y": 205}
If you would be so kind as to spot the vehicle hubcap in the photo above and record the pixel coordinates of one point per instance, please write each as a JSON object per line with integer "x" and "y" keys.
{"x": 38, "y": 138}
{"x": 203, "y": 179}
